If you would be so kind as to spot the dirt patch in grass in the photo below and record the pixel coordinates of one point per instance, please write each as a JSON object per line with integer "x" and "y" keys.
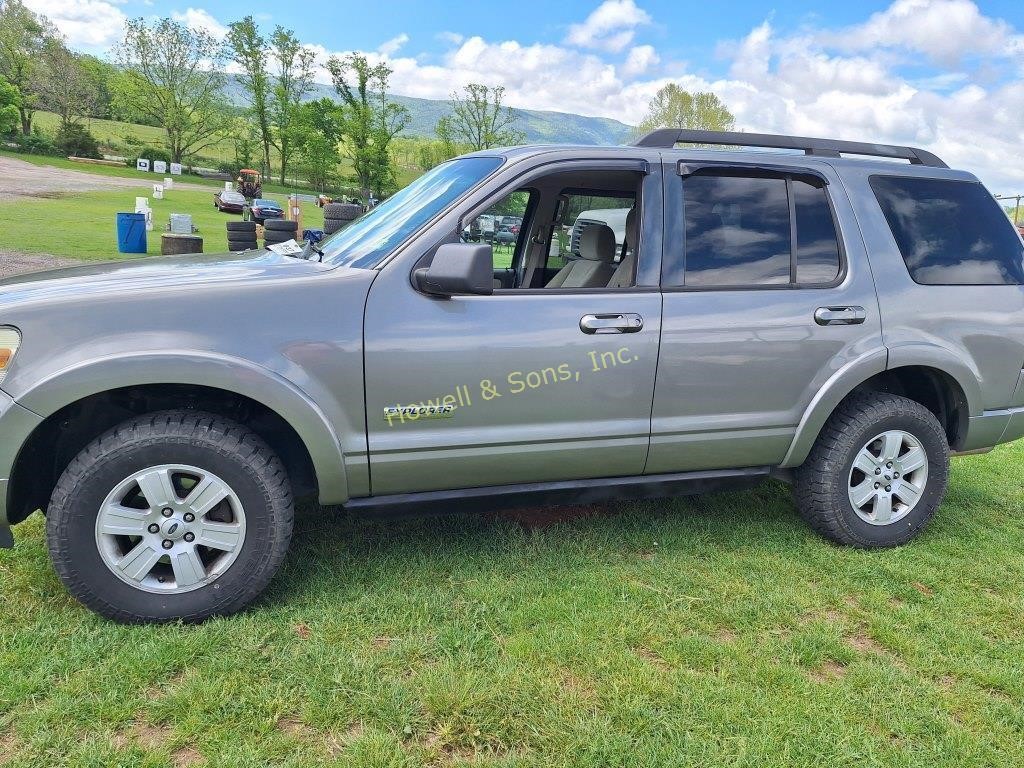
{"x": 293, "y": 727}
{"x": 828, "y": 671}
{"x": 8, "y": 746}
{"x": 864, "y": 644}
{"x": 186, "y": 757}
{"x": 146, "y": 735}
{"x": 923, "y": 589}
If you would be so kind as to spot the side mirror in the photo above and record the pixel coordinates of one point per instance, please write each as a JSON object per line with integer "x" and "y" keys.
{"x": 458, "y": 268}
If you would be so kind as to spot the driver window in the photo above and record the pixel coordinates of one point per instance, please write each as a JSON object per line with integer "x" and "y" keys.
{"x": 503, "y": 226}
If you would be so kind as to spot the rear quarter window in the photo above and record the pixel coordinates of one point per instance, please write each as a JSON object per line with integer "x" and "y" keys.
{"x": 950, "y": 232}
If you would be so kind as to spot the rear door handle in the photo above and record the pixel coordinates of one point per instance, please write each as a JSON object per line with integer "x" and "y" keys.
{"x": 840, "y": 315}
{"x": 612, "y": 323}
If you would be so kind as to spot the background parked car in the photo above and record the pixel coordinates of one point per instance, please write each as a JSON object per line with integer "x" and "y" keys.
{"x": 505, "y": 235}
{"x": 266, "y": 209}
{"x": 228, "y": 201}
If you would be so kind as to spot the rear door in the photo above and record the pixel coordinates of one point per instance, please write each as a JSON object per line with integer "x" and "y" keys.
{"x": 765, "y": 298}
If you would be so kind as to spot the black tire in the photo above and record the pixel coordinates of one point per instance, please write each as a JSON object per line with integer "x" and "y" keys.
{"x": 342, "y": 211}
{"x": 244, "y": 462}
{"x": 280, "y": 225}
{"x": 276, "y": 238}
{"x": 333, "y": 225}
{"x": 243, "y": 245}
{"x": 822, "y": 483}
{"x": 242, "y": 226}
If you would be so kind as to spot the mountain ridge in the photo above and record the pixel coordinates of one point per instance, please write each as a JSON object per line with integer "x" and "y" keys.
{"x": 540, "y": 126}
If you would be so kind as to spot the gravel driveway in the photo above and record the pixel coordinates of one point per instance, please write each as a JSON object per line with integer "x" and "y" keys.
{"x": 19, "y": 179}
{"x": 15, "y": 263}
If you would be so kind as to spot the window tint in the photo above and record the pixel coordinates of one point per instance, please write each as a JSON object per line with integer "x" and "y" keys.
{"x": 950, "y": 232}
{"x": 817, "y": 246}
{"x": 737, "y": 231}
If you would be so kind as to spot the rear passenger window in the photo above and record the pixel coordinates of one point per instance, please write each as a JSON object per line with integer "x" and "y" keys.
{"x": 950, "y": 232}
{"x": 750, "y": 231}
{"x": 817, "y": 246}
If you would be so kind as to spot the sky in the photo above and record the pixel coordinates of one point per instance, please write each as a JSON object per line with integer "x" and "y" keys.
{"x": 947, "y": 75}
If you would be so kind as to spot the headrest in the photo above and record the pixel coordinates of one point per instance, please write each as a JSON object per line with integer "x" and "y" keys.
{"x": 597, "y": 243}
{"x": 631, "y": 233}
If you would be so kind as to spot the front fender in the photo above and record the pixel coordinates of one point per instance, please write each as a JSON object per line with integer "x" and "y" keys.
{"x": 190, "y": 367}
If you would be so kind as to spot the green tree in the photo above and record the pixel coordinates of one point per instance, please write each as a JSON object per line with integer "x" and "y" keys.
{"x": 23, "y": 35}
{"x": 101, "y": 74}
{"x": 370, "y": 120}
{"x": 172, "y": 74}
{"x": 672, "y": 107}
{"x": 63, "y": 85}
{"x": 10, "y": 100}
{"x": 479, "y": 121}
{"x": 316, "y": 134}
{"x": 249, "y": 51}
{"x": 293, "y": 80}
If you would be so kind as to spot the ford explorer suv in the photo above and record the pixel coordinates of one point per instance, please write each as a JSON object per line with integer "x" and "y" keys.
{"x": 841, "y": 316}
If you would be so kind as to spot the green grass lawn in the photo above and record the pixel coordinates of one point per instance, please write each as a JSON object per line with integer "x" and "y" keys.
{"x": 83, "y": 225}
{"x": 715, "y": 631}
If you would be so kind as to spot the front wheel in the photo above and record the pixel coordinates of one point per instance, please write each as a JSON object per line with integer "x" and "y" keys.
{"x": 173, "y": 515}
{"x": 877, "y": 472}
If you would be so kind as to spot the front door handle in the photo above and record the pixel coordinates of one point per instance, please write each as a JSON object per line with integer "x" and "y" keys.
{"x": 840, "y": 315}
{"x": 612, "y": 323}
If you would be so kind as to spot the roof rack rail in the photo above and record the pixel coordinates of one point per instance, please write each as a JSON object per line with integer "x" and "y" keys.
{"x": 666, "y": 138}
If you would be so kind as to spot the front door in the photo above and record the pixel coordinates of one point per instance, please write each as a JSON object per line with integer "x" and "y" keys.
{"x": 525, "y": 385}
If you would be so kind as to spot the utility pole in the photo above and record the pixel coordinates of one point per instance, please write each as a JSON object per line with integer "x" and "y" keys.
{"x": 1016, "y": 204}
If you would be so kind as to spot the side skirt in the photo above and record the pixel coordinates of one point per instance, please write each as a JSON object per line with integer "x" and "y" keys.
{"x": 500, "y": 497}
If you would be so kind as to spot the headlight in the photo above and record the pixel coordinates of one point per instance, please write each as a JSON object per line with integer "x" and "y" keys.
{"x": 10, "y": 339}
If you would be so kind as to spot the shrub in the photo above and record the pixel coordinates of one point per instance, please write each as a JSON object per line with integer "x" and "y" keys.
{"x": 151, "y": 154}
{"x": 76, "y": 140}
{"x": 36, "y": 143}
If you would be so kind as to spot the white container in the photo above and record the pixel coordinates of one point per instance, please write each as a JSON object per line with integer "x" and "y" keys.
{"x": 141, "y": 204}
{"x": 158, "y": 191}
{"x": 181, "y": 223}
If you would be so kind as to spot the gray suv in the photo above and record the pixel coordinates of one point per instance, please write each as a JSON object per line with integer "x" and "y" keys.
{"x": 841, "y": 324}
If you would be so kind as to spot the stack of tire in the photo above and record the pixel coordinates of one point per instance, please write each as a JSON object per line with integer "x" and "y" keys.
{"x": 242, "y": 236}
{"x": 339, "y": 215}
{"x": 279, "y": 231}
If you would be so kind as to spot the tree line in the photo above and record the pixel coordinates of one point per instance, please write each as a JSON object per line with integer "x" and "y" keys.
{"x": 165, "y": 74}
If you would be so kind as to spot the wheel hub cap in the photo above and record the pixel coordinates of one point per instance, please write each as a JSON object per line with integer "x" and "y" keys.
{"x": 888, "y": 477}
{"x": 170, "y": 528}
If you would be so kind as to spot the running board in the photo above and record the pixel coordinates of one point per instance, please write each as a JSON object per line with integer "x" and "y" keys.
{"x": 498, "y": 497}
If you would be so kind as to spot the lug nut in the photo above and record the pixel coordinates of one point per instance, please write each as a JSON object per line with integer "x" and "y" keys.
{"x": 878, "y": 470}
{"x": 896, "y": 475}
{"x": 877, "y": 486}
{"x": 189, "y": 517}
{"x": 888, "y": 465}
{"x": 168, "y": 543}
{"x": 888, "y": 488}
{"x": 154, "y": 528}
{"x": 190, "y": 536}
{"x": 168, "y": 512}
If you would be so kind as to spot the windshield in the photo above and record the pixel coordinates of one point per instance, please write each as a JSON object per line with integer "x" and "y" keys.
{"x": 367, "y": 240}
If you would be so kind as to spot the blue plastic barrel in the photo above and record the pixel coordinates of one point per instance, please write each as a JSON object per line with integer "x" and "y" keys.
{"x": 131, "y": 232}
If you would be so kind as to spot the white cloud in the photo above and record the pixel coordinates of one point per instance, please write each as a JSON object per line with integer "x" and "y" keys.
{"x": 200, "y": 19}
{"x": 392, "y": 46}
{"x": 610, "y": 27}
{"x": 640, "y": 59}
{"x": 93, "y": 24}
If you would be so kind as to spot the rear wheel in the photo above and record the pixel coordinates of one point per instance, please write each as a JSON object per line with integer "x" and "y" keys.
{"x": 877, "y": 472}
{"x": 176, "y": 515}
